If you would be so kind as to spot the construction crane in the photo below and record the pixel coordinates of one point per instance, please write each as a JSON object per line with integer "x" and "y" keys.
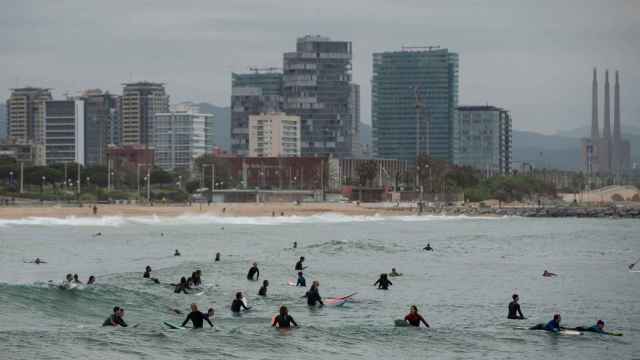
{"x": 428, "y": 48}
{"x": 266, "y": 69}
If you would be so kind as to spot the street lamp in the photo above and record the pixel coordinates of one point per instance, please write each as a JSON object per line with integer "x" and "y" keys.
{"x": 43, "y": 180}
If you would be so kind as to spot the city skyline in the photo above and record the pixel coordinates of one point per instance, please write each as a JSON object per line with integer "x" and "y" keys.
{"x": 528, "y": 67}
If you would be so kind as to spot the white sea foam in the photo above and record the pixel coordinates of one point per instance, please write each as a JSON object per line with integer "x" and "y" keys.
{"x": 190, "y": 219}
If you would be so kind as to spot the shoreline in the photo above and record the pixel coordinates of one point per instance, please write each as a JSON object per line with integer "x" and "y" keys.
{"x": 306, "y": 209}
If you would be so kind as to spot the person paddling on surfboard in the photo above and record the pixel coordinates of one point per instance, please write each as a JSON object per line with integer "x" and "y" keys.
{"x": 301, "y": 280}
{"x": 263, "y": 288}
{"x": 313, "y": 295}
{"x": 394, "y": 272}
{"x": 597, "y": 328}
{"x": 182, "y": 286}
{"x": 414, "y": 318}
{"x": 116, "y": 319}
{"x": 197, "y": 318}
{"x": 283, "y": 320}
{"x": 238, "y": 304}
{"x": 549, "y": 274}
{"x": 514, "y": 309}
{"x": 552, "y": 326}
{"x": 254, "y": 271}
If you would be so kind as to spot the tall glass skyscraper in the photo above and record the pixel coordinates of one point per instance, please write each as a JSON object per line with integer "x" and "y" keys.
{"x": 414, "y": 99}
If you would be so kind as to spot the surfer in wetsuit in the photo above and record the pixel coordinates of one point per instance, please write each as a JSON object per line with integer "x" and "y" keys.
{"x": 238, "y": 304}
{"x": 254, "y": 271}
{"x": 299, "y": 266}
{"x": 76, "y": 279}
{"x": 182, "y": 286}
{"x": 394, "y": 272}
{"x": 284, "y": 320}
{"x": 428, "y": 247}
{"x": 383, "y": 282}
{"x": 301, "y": 280}
{"x": 414, "y": 318}
{"x": 514, "y": 309}
{"x": 313, "y": 295}
{"x": 548, "y": 274}
{"x": 553, "y": 325}
{"x": 597, "y": 328}
{"x": 217, "y": 257}
{"x": 147, "y": 272}
{"x": 116, "y": 319}
{"x": 197, "y": 317}
{"x": 295, "y": 244}
{"x": 176, "y": 253}
{"x": 263, "y": 289}
{"x": 92, "y": 280}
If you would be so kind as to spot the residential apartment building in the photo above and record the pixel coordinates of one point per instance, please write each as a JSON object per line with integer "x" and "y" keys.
{"x": 25, "y": 114}
{"x": 139, "y": 103}
{"x": 482, "y": 139}
{"x": 64, "y": 131}
{"x": 414, "y": 96}
{"x": 102, "y": 125}
{"x": 180, "y": 137}
{"x": 252, "y": 94}
{"x": 317, "y": 88}
{"x": 274, "y": 135}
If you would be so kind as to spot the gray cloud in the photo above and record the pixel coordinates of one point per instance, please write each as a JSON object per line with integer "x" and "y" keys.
{"x": 534, "y": 58}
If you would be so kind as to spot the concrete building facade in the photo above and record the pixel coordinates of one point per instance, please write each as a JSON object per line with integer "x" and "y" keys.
{"x": 25, "y": 114}
{"x": 482, "y": 139}
{"x": 252, "y": 94}
{"x": 274, "y": 135}
{"x": 180, "y": 137}
{"x": 414, "y": 96}
{"x": 317, "y": 88}
{"x": 102, "y": 125}
{"x": 64, "y": 131}
{"x": 139, "y": 103}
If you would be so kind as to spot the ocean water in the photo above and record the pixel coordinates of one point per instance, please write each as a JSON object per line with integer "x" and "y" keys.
{"x": 462, "y": 288}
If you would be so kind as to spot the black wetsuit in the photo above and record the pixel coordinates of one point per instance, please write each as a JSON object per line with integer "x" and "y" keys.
{"x": 383, "y": 284}
{"x": 180, "y": 288}
{"x": 514, "y": 311}
{"x": 262, "y": 291}
{"x": 313, "y": 297}
{"x": 146, "y": 275}
{"x": 237, "y": 305}
{"x": 113, "y": 319}
{"x": 284, "y": 322}
{"x": 301, "y": 282}
{"x": 197, "y": 318}
{"x": 299, "y": 266}
{"x": 252, "y": 272}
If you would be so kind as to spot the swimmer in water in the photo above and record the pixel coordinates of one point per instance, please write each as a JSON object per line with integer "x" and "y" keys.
{"x": 263, "y": 288}
{"x": 514, "y": 309}
{"x": 254, "y": 271}
{"x": 238, "y": 304}
{"x": 147, "y": 272}
{"x": 116, "y": 319}
{"x": 92, "y": 280}
{"x": 97, "y": 234}
{"x": 394, "y": 272}
{"x": 383, "y": 282}
{"x": 414, "y": 318}
{"x": 198, "y": 318}
{"x": 548, "y": 274}
{"x": 428, "y": 247}
{"x": 217, "y": 257}
{"x": 283, "y": 320}
{"x": 176, "y": 253}
{"x": 76, "y": 279}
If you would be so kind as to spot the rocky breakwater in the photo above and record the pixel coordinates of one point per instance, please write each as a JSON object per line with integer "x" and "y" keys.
{"x": 580, "y": 212}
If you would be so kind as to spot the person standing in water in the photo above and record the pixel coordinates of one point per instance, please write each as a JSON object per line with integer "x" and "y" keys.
{"x": 313, "y": 295}
{"x": 92, "y": 280}
{"x": 176, "y": 253}
{"x": 383, "y": 282}
{"x": 254, "y": 271}
{"x": 263, "y": 289}
{"x": 301, "y": 280}
{"x": 414, "y": 318}
{"x": 238, "y": 304}
{"x": 147, "y": 272}
{"x": 283, "y": 320}
{"x": 198, "y": 318}
{"x": 514, "y": 309}
{"x": 217, "y": 257}
{"x": 299, "y": 266}
{"x": 295, "y": 244}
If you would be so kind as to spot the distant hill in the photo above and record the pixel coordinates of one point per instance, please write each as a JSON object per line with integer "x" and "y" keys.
{"x": 3, "y": 121}
{"x": 627, "y": 131}
{"x": 222, "y": 117}
{"x": 547, "y": 151}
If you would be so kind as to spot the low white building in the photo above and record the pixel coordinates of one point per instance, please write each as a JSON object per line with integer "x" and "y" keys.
{"x": 274, "y": 135}
{"x": 180, "y": 137}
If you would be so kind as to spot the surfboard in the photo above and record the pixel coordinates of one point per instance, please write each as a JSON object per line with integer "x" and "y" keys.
{"x": 173, "y": 326}
{"x": 291, "y": 283}
{"x": 336, "y": 302}
{"x": 400, "y": 323}
{"x": 200, "y": 293}
{"x": 634, "y": 270}
{"x": 569, "y": 332}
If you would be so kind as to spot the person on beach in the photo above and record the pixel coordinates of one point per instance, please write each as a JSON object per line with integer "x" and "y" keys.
{"x": 394, "y": 272}
{"x": 301, "y": 280}
{"x": 95, "y": 210}
{"x": 514, "y": 309}
{"x": 263, "y": 288}
{"x": 313, "y": 295}
{"x": 548, "y": 274}
{"x": 383, "y": 282}
{"x": 198, "y": 318}
{"x": 92, "y": 280}
{"x": 283, "y": 320}
{"x": 217, "y": 257}
{"x": 116, "y": 319}
{"x": 414, "y": 318}
{"x": 299, "y": 266}
{"x": 176, "y": 253}
{"x": 182, "y": 286}
{"x": 253, "y": 271}
{"x": 552, "y": 326}
{"x": 237, "y": 305}
{"x": 428, "y": 247}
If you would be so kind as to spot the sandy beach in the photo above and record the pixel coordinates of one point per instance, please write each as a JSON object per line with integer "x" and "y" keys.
{"x": 227, "y": 209}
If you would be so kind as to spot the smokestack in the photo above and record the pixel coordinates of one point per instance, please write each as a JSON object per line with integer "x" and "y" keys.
{"x": 606, "y": 132}
{"x": 617, "y": 132}
{"x": 595, "y": 131}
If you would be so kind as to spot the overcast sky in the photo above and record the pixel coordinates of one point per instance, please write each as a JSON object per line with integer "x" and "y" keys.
{"x": 532, "y": 57}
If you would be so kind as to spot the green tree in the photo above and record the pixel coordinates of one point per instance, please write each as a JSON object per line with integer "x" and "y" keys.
{"x": 367, "y": 171}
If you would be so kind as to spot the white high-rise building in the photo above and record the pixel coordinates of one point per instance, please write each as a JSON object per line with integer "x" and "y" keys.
{"x": 64, "y": 137}
{"x": 274, "y": 135}
{"x": 180, "y": 137}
